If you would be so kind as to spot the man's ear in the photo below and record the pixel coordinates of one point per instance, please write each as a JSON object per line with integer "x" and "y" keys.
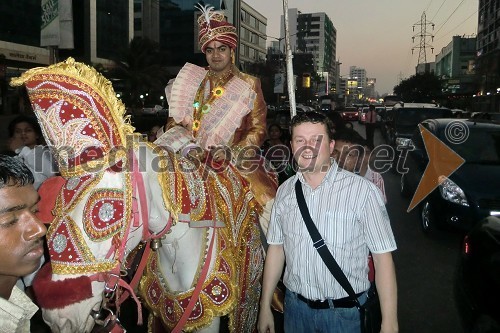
{"x": 332, "y": 146}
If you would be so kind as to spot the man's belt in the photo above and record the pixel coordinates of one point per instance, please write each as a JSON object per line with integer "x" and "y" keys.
{"x": 345, "y": 302}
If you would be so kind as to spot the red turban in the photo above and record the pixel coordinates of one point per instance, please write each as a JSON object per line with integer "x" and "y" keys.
{"x": 214, "y": 27}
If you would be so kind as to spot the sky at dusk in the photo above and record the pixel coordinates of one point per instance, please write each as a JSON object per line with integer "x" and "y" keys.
{"x": 377, "y": 34}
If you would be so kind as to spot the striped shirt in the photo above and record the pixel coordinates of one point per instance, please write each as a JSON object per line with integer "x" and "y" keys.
{"x": 376, "y": 178}
{"x": 349, "y": 213}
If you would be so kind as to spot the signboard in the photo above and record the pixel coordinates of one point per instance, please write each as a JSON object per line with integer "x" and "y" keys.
{"x": 57, "y": 24}
{"x": 40, "y": 57}
{"x": 279, "y": 81}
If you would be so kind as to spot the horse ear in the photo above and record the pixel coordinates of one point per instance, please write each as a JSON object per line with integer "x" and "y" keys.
{"x": 48, "y": 192}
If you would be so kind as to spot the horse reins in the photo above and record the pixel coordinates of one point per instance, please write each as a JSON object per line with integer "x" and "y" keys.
{"x": 114, "y": 278}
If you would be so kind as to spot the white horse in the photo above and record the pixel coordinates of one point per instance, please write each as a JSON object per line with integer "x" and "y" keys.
{"x": 116, "y": 195}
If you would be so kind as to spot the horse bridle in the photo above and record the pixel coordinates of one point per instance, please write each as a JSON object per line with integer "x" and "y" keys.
{"x": 114, "y": 279}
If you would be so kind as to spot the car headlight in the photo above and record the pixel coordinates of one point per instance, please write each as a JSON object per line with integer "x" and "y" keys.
{"x": 452, "y": 193}
{"x": 403, "y": 142}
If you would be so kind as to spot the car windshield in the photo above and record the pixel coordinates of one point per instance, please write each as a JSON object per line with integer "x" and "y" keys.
{"x": 412, "y": 116}
{"x": 481, "y": 146}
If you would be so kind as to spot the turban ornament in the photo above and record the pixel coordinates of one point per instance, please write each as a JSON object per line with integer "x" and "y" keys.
{"x": 214, "y": 27}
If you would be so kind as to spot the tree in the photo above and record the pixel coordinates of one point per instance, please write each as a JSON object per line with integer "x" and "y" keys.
{"x": 424, "y": 87}
{"x": 142, "y": 72}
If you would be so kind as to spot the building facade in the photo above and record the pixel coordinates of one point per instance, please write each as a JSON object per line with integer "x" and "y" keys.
{"x": 252, "y": 42}
{"x": 314, "y": 33}
{"x": 147, "y": 19}
{"x": 454, "y": 65}
{"x": 101, "y": 29}
{"x": 358, "y": 74}
{"x": 488, "y": 55}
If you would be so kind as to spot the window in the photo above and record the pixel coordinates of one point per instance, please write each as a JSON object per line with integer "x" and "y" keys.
{"x": 262, "y": 27}
{"x": 137, "y": 23}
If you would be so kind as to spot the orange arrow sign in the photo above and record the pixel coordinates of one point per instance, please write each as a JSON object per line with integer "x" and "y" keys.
{"x": 443, "y": 161}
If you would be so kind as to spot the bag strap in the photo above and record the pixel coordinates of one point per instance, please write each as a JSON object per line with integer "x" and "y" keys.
{"x": 320, "y": 246}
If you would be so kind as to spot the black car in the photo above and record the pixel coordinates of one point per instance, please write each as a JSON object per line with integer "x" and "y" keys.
{"x": 471, "y": 192}
{"x": 405, "y": 117}
{"x": 477, "y": 282}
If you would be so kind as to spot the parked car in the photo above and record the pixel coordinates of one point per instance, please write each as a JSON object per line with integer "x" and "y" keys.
{"x": 477, "y": 281}
{"x": 471, "y": 192}
{"x": 405, "y": 118}
{"x": 349, "y": 113}
{"x": 494, "y": 116}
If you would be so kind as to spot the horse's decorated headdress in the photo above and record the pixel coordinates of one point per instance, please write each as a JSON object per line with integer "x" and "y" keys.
{"x": 214, "y": 27}
{"x": 80, "y": 116}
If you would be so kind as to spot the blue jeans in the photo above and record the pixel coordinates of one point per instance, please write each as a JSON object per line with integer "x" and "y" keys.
{"x": 299, "y": 317}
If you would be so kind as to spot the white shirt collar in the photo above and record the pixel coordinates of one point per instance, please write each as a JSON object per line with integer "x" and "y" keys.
{"x": 16, "y": 312}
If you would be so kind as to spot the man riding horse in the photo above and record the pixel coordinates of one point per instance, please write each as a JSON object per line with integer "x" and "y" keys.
{"x": 100, "y": 212}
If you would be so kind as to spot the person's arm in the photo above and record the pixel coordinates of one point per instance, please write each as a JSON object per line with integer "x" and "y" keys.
{"x": 254, "y": 124}
{"x": 275, "y": 261}
{"x": 385, "y": 279}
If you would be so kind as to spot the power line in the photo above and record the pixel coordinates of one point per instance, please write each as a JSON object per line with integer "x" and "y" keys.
{"x": 438, "y": 9}
{"x": 450, "y": 16}
{"x": 457, "y": 26}
{"x": 426, "y": 8}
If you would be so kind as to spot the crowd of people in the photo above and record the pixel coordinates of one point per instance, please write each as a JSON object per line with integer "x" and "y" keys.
{"x": 218, "y": 113}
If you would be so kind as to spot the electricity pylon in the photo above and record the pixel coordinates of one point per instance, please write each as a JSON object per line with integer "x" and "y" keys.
{"x": 424, "y": 37}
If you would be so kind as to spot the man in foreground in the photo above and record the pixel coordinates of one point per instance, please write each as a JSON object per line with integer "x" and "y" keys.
{"x": 21, "y": 243}
{"x": 351, "y": 217}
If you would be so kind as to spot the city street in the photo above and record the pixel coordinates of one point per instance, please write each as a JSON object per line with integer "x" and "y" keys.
{"x": 425, "y": 265}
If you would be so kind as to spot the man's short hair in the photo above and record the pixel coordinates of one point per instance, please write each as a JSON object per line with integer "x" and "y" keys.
{"x": 14, "y": 172}
{"x": 315, "y": 118}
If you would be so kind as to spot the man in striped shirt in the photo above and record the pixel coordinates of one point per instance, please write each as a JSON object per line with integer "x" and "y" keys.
{"x": 351, "y": 217}
{"x": 352, "y": 153}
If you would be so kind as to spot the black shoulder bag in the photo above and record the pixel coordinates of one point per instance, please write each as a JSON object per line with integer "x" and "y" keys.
{"x": 370, "y": 315}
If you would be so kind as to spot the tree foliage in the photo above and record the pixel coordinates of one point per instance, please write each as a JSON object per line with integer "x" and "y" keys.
{"x": 419, "y": 88}
{"x": 141, "y": 72}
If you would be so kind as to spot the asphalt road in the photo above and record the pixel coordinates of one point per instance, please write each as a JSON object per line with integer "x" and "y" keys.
{"x": 425, "y": 266}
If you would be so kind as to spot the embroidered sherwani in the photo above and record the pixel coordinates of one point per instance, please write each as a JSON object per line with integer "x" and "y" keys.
{"x": 236, "y": 119}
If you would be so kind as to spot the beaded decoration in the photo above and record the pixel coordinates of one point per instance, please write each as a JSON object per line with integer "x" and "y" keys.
{"x": 238, "y": 264}
{"x": 80, "y": 116}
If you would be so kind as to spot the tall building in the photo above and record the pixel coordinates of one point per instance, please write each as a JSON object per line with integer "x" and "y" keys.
{"x": 314, "y": 33}
{"x": 252, "y": 42}
{"x": 102, "y": 31}
{"x": 488, "y": 54}
{"x": 147, "y": 19}
{"x": 359, "y": 74}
